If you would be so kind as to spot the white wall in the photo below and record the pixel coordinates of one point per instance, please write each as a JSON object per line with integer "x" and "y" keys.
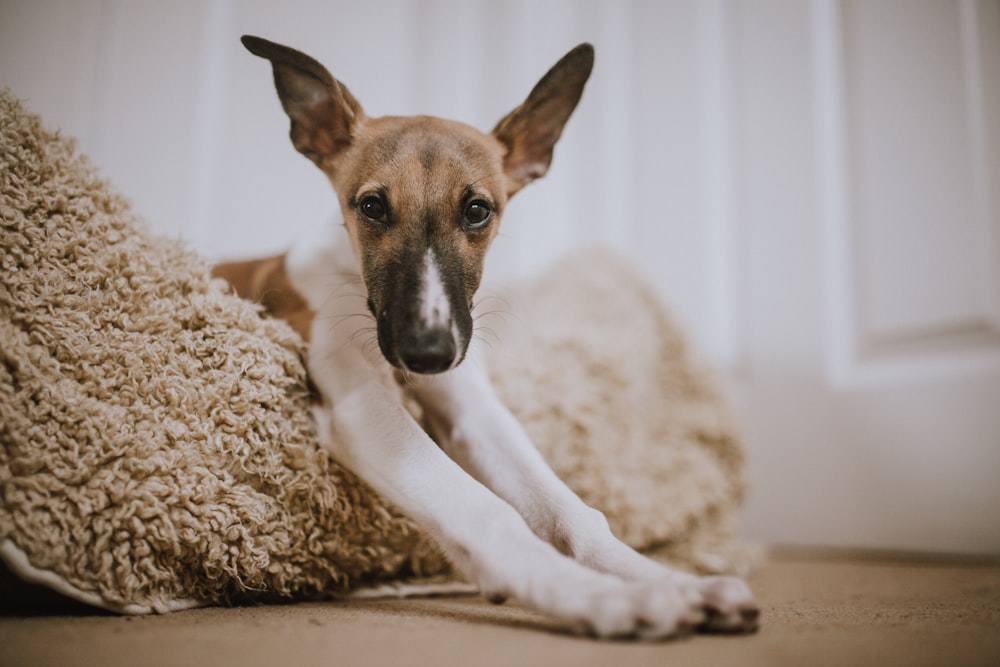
{"x": 813, "y": 187}
{"x": 185, "y": 121}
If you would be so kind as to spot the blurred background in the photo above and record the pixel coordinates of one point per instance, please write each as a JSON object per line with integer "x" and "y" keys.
{"x": 813, "y": 187}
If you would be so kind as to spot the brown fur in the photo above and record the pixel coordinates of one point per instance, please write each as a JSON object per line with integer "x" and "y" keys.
{"x": 265, "y": 281}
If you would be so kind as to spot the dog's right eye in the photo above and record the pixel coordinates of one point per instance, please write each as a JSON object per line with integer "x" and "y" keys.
{"x": 371, "y": 207}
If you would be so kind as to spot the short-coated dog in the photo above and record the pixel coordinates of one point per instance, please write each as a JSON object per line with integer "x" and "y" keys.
{"x": 421, "y": 200}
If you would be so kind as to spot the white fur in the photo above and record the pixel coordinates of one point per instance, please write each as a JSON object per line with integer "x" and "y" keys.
{"x": 480, "y": 488}
{"x": 435, "y": 310}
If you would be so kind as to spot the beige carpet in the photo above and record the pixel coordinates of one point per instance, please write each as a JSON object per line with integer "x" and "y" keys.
{"x": 828, "y": 609}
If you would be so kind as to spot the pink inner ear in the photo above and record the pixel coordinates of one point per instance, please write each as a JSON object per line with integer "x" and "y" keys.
{"x": 525, "y": 171}
{"x": 320, "y": 128}
{"x": 530, "y": 138}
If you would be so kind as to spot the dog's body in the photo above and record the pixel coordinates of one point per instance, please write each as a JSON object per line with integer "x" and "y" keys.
{"x": 421, "y": 199}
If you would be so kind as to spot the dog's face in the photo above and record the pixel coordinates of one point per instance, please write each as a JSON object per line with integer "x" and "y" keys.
{"x": 421, "y": 196}
{"x": 421, "y": 199}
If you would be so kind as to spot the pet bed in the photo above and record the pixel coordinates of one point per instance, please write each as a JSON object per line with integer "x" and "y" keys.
{"x": 156, "y": 446}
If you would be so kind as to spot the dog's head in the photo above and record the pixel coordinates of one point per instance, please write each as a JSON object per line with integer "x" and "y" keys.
{"x": 421, "y": 196}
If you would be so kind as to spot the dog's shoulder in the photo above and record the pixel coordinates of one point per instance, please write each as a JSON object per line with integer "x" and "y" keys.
{"x": 321, "y": 264}
{"x": 294, "y": 286}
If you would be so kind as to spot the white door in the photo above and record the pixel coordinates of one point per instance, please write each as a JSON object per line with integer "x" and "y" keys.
{"x": 872, "y": 260}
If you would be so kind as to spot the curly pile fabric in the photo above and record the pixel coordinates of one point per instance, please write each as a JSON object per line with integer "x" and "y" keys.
{"x": 156, "y": 446}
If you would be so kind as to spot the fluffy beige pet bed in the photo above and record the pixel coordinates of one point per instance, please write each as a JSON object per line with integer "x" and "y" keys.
{"x": 156, "y": 449}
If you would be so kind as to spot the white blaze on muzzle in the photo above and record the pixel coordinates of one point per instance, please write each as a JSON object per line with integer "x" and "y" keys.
{"x": 435, "y": 309}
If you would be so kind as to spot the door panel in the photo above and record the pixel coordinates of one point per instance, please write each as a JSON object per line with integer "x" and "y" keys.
{"x": 874, "y": 386}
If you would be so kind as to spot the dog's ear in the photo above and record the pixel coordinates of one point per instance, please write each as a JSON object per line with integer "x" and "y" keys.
{"x": 323, "y": 112}
{"x": 531, "y": 130}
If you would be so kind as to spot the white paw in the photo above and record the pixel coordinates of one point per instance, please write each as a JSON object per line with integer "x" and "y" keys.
{"x": 670, "y": 608}
{"x": 642, "y": 610}
{"x": 728, "y": 604}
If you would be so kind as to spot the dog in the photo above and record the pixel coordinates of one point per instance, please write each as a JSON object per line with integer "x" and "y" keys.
{"x": 421, "y": 200}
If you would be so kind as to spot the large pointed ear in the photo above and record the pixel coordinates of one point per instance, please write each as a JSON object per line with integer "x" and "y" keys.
{"x": 323, "y": 112}
{"x": 531, "y": 130}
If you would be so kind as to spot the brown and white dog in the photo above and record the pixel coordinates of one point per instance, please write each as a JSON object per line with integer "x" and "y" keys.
{"x": 421, "y": 199}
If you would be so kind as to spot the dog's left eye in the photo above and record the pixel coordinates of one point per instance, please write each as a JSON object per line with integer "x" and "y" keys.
{"x": 477, "y": 214}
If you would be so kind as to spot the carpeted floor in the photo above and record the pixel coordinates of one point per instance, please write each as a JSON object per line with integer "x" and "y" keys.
{"x": 819, "y": 609}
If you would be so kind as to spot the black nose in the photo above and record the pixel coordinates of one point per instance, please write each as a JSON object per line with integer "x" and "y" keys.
{"x": 427, "y": 351}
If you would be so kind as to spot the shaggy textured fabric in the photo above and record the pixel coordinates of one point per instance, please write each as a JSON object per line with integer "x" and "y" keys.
{"x": 600, "y": 376}
{"x": 156, "y": 448}
{"x": 156, "y": 441}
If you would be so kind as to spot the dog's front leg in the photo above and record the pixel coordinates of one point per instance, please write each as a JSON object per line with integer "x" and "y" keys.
{"x": 480, "y": 433}
{"x": 482, "y": 535}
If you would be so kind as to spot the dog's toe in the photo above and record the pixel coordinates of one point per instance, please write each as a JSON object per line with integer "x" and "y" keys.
{"x": 647, "y": 612}
{"x": 729, "y": 605}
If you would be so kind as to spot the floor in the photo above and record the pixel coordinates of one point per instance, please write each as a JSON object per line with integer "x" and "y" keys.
{"x": 819, "y": 609}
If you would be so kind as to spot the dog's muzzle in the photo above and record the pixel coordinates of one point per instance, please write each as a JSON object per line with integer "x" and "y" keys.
{"x": 409, "y": 346}
{"x": 423, "y": 314}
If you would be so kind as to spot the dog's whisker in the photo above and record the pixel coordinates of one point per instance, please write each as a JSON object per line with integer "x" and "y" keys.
{"x": 340, "y": 319}
{"x": 405, "y": 377}
{"x": 367, "y": 335}
{"x": 487, "y": 336}
{"x": 336, "y": 295}
{"x": 502, "y": 306}
{"x": 490, "y": 315}
{"x": 493, "y": 297}
{"x": 333, "y": 322}
{"x": 369, "y": 346}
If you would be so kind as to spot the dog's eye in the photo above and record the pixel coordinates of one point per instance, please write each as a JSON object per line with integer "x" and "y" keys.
{"x": 477, "y": 214}
{"x": 371, "y": 207}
